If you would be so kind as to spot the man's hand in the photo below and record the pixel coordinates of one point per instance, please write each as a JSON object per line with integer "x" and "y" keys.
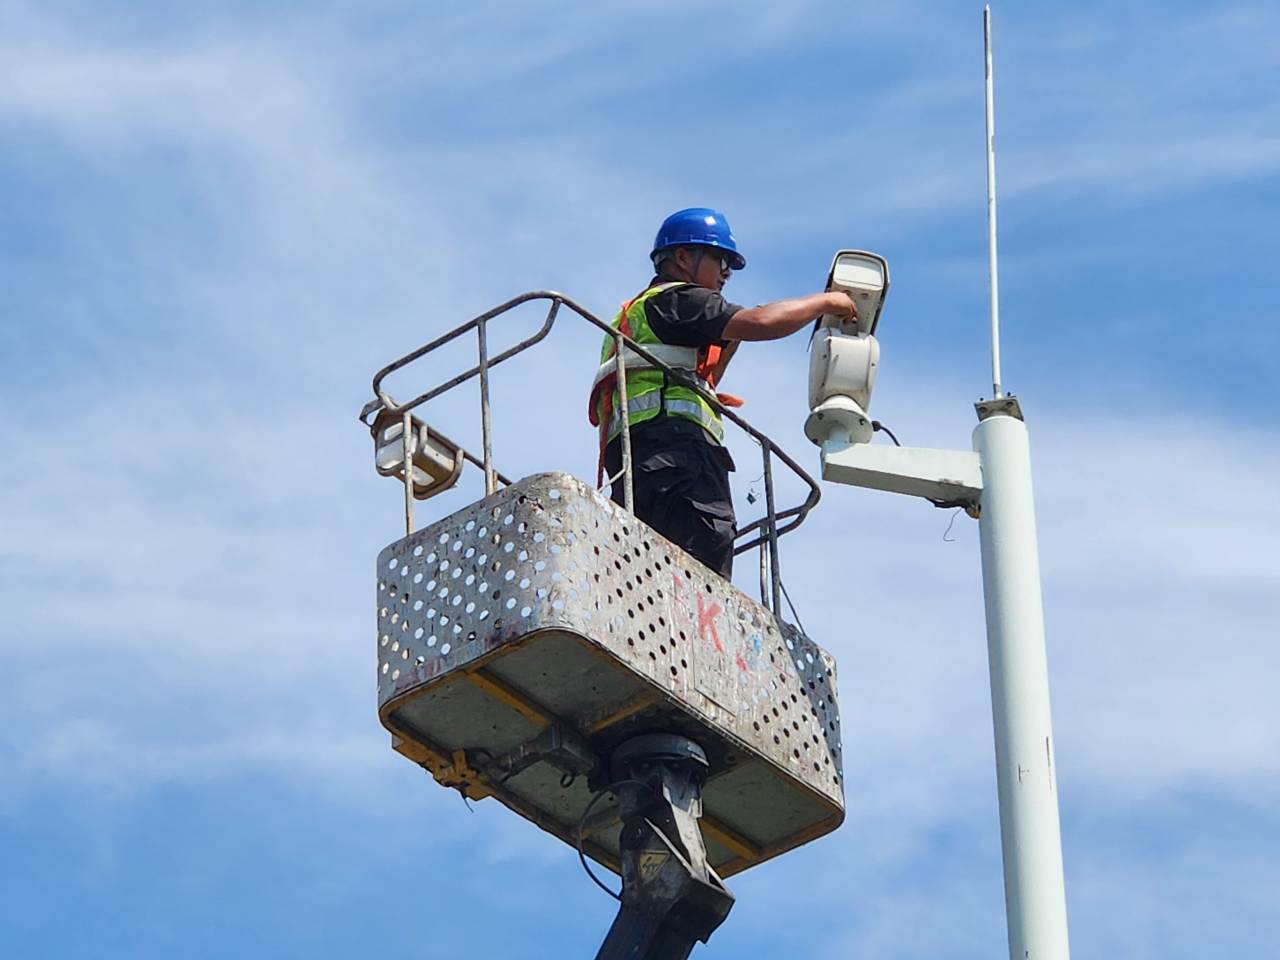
{"x": 841, "y": 305}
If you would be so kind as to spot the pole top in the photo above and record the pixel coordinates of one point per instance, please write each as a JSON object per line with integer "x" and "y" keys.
{"x": 1006, "y": 406}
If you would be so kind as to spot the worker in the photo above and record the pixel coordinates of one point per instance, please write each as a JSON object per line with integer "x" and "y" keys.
{"x": 680, "y": 466}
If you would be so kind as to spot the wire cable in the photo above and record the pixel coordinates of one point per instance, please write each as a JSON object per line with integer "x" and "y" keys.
{"x": 878, "y": 427}
{"x": 792, "y": 606}
{"x": 582, "y": 821}
{"x": 946, "y": 534}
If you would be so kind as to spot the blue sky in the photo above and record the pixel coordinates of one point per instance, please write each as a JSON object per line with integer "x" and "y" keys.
{"x": 221, "y": 219}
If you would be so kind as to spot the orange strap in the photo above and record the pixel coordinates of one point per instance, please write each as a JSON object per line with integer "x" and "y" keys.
{"x": 707, "y": 359}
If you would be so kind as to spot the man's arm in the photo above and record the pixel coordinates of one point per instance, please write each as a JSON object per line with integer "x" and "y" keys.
{"x": 773, "y": 321}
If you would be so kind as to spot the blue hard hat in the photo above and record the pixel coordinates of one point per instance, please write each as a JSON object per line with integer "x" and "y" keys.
{"x": 698, "y": 227}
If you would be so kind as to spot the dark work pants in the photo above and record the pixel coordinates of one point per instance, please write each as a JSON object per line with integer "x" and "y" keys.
{"x": 681, "y": 486}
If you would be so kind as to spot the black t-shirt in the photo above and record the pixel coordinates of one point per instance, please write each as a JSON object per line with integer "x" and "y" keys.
{"x": 688, "y": 315}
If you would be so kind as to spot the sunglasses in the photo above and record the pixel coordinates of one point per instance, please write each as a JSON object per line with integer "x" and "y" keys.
{"x": 718, "y": 259}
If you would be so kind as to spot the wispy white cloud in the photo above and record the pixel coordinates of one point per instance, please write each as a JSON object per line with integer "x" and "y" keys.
{"x": 181, "y": 607}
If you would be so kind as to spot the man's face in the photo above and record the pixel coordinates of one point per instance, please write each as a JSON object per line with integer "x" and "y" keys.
{"x": 705, "y": 266}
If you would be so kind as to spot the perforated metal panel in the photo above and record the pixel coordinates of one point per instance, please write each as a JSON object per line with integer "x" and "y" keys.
{"x": 547, "y": 603}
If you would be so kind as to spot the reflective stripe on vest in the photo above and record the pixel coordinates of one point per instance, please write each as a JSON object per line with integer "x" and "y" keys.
{"x": 646, "y": 396}
{"x": 677, "y": 358}
{"x": 683, "y": 408}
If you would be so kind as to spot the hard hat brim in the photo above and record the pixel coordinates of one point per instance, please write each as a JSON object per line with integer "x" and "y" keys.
{"x": 736, "y": 260}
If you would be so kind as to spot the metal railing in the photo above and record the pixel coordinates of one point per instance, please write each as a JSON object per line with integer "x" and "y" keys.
{"x": 766, "y": 530}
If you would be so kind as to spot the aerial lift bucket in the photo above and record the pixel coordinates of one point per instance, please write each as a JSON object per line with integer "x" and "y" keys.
{"x": 531, "y": 633}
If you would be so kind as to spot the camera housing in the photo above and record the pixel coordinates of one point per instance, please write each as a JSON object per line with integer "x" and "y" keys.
{"x": 844, "y": 355}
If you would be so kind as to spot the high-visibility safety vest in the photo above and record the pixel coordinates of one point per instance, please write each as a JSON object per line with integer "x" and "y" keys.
{"x": 650, "y": 390}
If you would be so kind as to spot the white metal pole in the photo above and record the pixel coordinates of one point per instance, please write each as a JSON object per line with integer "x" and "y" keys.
{"x": 1035, "y": 898}
{"x": 991, "y": 209}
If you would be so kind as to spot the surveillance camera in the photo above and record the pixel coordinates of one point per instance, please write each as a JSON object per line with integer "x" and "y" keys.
{"x": 843, "y": 357}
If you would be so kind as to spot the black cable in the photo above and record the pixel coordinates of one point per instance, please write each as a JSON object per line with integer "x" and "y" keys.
{"x": 792, "y": 606}
{"x": 878, "y": 427}
{"x": 972, "y": 509}
{"x": 582, "y": 821}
